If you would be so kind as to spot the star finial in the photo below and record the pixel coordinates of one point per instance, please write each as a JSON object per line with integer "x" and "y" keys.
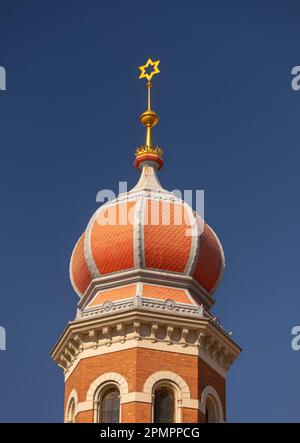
{"x": 149, "y": 118}
{"x": 143, "y": 69}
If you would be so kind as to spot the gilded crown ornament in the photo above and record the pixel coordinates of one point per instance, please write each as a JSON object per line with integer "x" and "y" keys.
{"x": 149, "y": 118}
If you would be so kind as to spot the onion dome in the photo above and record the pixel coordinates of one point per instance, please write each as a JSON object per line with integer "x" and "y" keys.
{"x": 147, "y": 241}
{"x": 147, "y": 229}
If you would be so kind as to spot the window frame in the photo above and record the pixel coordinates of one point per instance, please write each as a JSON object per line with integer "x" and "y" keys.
{"x": 71, "y": 411}
{"x": 210, "y": 394}
{"x": 73, "y": 399}
{"x": 167, "y": 384}
{"x": 211, "y": 402}
{"x": 102, "y": 390}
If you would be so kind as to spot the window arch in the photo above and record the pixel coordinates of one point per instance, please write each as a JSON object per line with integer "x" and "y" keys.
{"x": 211, "y": 405}
{"x": 177, "y": 385}
{"x": 211, "y": 411}
{"x": 164, "y": 405}
{"x": 71, "y": 407}
{"x": 71, "y": 412}
{"x": 99, "y": 387}
{"x": 109, "y": 404}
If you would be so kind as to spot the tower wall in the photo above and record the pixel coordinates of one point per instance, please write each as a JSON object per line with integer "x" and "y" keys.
{"x": 140, "y": 369}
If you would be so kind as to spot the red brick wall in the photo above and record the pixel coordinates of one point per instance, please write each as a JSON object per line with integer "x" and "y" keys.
{"x": 208, "y": 376}
{"x": 84, "y": 417}
{"x": 136, "y": 365}
{"x": 190, "y": 415}
{"x": 136, "y": 412}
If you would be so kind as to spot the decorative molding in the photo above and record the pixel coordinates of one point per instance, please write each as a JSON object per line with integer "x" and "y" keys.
{"x": 148, "y": 180}
{"x": 136, "y": 328}
{"x": 149, "y": 303}
{"x": 142, "y": 302}
{"x": 71, "y": 272}
{"x": 85, "y": 406}
{"x": 143, "y": 397}
{"x": 150, "y": 276}
{"x": 167, "y": 376}
{"x": 209, "y": 391}
{"x": 184, "y": 334}
{"x": 73, "y": 396}
{"x": 184, "y": 400}
{"x": 195, "y": 240}
{"x": 121, "y": 331}
{"x": 160, "y": 194}
{"x": 223, "y": 262}
{"x": 138, "y": 233}
{"x": 154, "y": 328}
{"x": 106, "y": 378}
{"x": 107, "y": 335}
{"x": 167, "y": 331}
{"x": 88, "y": 255}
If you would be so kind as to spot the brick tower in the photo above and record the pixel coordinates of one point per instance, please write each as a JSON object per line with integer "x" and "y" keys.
{"x": 143, "y": 346}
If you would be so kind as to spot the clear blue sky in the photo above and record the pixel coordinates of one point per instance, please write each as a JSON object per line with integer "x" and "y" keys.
{"x": 229, "y": 125}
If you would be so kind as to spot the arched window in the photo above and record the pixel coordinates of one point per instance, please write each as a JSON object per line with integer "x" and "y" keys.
{"x": 71, "y": 412}
{"x": 211, "y": 411}
{"x": 109, "y": 405}
{"x": 164, "y": 405}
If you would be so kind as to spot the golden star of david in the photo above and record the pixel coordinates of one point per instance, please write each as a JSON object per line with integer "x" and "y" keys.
{"x": 155, "y": 70}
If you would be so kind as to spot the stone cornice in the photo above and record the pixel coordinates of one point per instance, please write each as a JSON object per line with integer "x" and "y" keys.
{"x": 138, "y": 327}
{"x": 144, "y": 304}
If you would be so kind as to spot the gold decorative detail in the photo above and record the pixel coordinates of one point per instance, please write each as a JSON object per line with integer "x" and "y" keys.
{"x": 149, "y": 150}
{"x": 143, "y": 69}
{"x": 149, "y": 118}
